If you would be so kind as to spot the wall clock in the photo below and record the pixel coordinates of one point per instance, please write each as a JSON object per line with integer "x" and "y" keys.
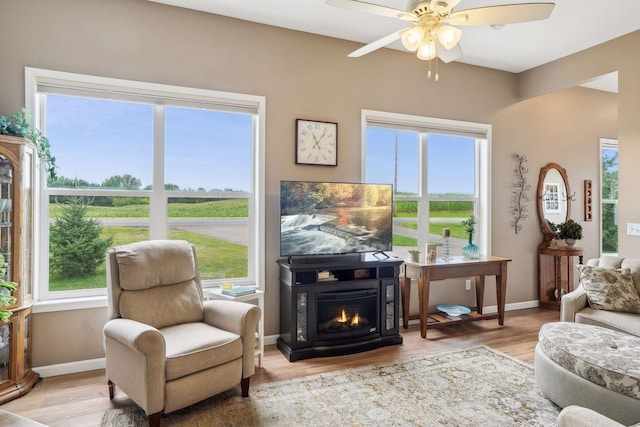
{"x": 316, "y": 143}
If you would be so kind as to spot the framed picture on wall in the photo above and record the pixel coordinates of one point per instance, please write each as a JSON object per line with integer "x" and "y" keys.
{"x": 551, "y": 198}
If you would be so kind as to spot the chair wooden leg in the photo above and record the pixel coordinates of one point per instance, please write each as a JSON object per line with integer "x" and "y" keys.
{"x": 244, "y": 384}
{"x": 154, "y": 419}
{"x": 112, "y": 389}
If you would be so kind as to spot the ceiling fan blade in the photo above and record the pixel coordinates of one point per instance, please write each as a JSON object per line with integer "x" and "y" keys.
{"x": 374, "y": 9}
{"x": 500, "y": 15}
{"x": 448, "y": 55}
{"x": 376, "y": 44}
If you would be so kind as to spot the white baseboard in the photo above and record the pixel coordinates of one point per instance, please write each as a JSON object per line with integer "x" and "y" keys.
{"x": 271, "y": 339}
{"x": 70, "y": 367}
{"x": 511, "y": 307}
{"x": 94, "y": 364}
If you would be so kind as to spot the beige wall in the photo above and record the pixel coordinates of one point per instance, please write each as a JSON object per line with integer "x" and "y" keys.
{"x": 617, "y": 55}
{"x": 304, "y": 76}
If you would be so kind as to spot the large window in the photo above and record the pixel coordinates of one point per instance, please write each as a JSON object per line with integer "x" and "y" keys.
{"x": 439, "y": 170}
{"x": 609, "y": 196}
{"x": 140, "y": 161}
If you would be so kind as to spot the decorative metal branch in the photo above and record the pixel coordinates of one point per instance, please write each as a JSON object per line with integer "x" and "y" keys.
{"x": 519, "y": 198}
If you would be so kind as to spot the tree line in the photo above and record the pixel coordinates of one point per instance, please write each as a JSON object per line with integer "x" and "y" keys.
{"x": 125, "y": 182}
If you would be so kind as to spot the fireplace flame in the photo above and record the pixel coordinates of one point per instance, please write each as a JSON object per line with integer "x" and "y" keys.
{"x": 343, "y": 317}
{"x": 356, "y": 320}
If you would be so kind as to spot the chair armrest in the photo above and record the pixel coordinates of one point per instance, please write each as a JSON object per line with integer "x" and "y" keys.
{"x": 576, "y": 416}
{"x": 135, "y": 361}
{"x": 240, "y": 318}
{"x": 572, "y": 303}
{"x": 234, "y": 316}
{"x": 135, "y": 335}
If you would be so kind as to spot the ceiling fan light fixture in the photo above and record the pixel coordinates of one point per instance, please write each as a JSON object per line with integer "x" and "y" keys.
{"x": 448, "y": 35}
{"x": 427, "y": 50}
{"x": 442, "y": 7}
{"x": 412, "y": 38}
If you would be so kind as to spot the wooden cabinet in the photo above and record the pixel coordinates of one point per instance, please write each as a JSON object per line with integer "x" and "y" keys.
{"x": 17, "y": 161}
{"x": 556, "y": 273}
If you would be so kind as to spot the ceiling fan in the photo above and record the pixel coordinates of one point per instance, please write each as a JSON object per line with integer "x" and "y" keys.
{"x": 434, "y": 32}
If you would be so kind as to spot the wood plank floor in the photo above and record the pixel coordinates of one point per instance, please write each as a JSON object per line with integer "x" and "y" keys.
{"x": 81, "y": 399}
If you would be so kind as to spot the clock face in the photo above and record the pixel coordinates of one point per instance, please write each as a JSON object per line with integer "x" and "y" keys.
{"x": 316, "y": 143}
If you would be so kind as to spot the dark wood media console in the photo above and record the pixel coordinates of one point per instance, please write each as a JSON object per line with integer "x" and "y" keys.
{"x": 338, "y": 305}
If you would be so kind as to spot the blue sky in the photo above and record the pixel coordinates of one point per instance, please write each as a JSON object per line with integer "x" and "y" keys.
{"x": 450, "y": 161}
{"x": 97, "y": 139}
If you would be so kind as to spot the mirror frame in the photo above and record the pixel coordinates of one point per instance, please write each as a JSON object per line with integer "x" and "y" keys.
{"x": 546, "y": 231}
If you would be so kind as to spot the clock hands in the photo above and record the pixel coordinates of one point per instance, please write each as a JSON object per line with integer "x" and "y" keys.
{"x": 317, "y": 140}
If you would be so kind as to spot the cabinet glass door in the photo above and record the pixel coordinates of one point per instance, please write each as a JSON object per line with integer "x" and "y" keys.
{"x": 27, "y": 220}
{"x": 5, "y": 352}
{"x": 6, "y": 191}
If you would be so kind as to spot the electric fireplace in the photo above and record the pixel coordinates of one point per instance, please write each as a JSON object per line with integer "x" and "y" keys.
{"x": 332, "y": 308}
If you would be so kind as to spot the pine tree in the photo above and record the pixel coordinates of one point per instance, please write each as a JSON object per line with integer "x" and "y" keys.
{"x": 76, "y": 247}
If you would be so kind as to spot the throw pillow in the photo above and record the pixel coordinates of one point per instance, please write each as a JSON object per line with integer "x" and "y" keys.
{"x": 609, "y": 289}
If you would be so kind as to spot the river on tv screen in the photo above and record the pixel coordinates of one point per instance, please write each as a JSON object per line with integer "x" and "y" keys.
{"x": 334, "y": 218}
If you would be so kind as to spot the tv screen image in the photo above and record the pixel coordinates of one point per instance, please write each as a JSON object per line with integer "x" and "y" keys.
{"x": 328, "y": 218}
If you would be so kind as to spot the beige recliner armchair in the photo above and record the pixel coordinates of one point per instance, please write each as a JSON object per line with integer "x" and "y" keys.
{"x": 164, "y": 346}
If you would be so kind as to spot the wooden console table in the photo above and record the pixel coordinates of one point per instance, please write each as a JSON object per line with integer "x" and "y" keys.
{"x": 555, "y": 273}
{"x": 454, "y": 267}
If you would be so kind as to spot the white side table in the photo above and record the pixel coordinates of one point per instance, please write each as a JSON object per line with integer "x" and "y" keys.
{"x": 216, "y": 293}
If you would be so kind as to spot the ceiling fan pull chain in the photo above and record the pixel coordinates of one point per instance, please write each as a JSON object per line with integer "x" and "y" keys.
{"x": 437, "y": 75}
{"x": 429, "y": 73}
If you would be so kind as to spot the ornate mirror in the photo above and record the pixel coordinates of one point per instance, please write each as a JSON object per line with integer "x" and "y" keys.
{"x": 554, "y": 198}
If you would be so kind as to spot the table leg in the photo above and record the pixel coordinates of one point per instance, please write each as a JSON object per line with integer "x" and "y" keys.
{"x": 423, "y": 301}
{"x": 557, "y": 271}
{"x": 501, "y": 291}
{"x": 479, "y": 293}
{"x": 405, "y": 290}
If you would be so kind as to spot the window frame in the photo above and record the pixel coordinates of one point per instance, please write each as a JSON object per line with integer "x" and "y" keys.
{"x": 610, "y": 144}
{"x": 63, "y": 83}
{"x": 482, "y": 134}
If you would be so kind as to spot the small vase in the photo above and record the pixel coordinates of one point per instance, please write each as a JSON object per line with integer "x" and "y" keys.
{"x": 415, "y": 256}
{"x": 470, "y": 250}
{"x": 570, "y": 242}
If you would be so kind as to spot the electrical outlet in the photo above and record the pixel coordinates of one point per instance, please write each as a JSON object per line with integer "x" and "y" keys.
{"x": 467, "y": 285}
{"x": 633, "y": 229}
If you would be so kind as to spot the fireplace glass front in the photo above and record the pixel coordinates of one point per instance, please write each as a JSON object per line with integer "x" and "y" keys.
{"x": 347, "y": 314}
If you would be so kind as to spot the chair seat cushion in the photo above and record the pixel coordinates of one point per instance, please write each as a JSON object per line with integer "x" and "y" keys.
{"x": 192, "y": 347}
{"x": 600, "y": 355}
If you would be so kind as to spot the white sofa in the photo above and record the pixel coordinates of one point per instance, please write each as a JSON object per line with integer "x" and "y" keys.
{"x": 575, "y": 307}
{"x": 615, "y": 306}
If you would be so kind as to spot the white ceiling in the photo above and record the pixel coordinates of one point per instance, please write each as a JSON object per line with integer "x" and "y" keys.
{"x": 574, "y": 25}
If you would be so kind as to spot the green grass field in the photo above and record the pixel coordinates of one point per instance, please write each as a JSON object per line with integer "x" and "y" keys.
{"x": 217, "y": 259}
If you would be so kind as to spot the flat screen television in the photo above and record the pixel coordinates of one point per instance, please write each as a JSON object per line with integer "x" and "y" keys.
{"x": 329, "y": 218}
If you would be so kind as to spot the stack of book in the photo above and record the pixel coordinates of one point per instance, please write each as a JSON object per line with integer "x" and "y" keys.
{"x": 239, "y": 290}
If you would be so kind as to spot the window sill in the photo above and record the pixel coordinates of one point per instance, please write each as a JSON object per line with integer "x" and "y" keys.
{"x": 99, "y": 301}
{"x": 68, "y": 304}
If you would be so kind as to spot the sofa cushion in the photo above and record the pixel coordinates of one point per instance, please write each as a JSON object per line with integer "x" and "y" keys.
{"x": 624, "y": 322}
{"x": 608, "y": 261}
{"x": 193, "y": 347}
{"x": 603, "y": 356}
{"x": 633, "y": 264}
{"x": 610, "y": 289}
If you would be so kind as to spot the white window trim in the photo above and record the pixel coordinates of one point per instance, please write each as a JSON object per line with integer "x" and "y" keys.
{"x": 137, "y": 90}
{"x": 483, "y": 160}
{"x": 613, "y": 145}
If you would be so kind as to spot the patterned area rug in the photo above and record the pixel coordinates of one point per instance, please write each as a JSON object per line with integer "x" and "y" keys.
{"x": 477, "y": 386}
